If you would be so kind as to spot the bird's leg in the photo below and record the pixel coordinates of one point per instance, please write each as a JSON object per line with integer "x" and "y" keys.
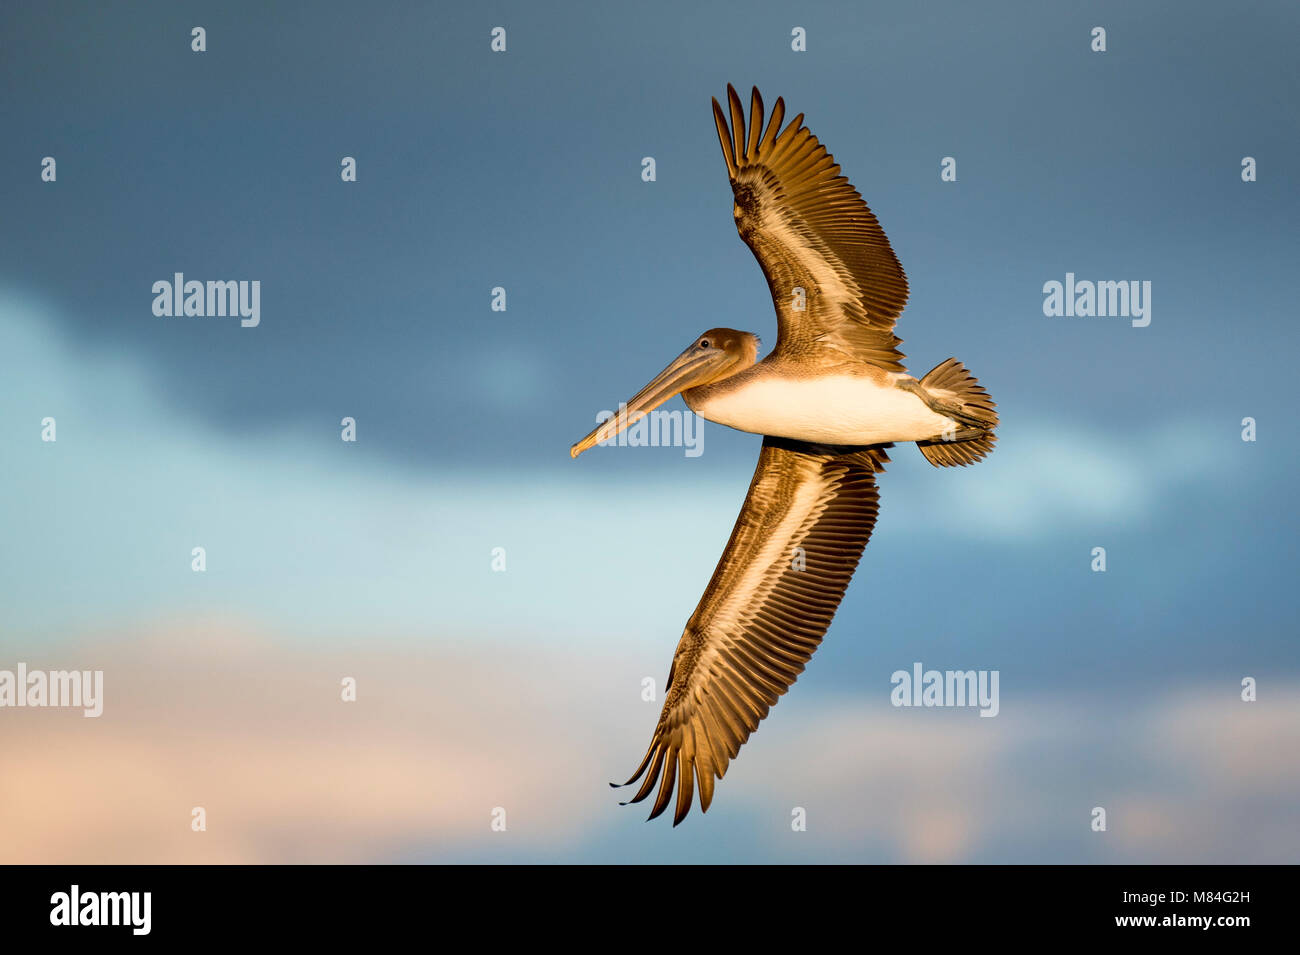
{"x": 963, "y": 434}
{"x": 948, "y": 407}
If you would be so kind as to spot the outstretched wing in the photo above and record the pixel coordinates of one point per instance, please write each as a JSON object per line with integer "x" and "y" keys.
{"x": 810, "y": 230}
{"x": 799, "y": 536}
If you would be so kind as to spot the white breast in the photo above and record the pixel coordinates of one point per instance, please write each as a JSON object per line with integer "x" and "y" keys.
{"x": 832, "y": 410}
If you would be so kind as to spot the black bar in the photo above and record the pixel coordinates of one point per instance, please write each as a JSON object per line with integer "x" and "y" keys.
{"x": 191, "y": 903}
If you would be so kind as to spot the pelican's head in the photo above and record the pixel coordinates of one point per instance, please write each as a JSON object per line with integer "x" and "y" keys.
{"x": 718, "y": 353}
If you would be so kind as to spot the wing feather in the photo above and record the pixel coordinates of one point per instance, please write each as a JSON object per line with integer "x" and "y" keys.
{"x": 724, "y": 138}
{"x": 810, "y": 229}
{"x": 737, "y": 122}
{"x": 755, "y": 122}
{"x": 762, "y": 615}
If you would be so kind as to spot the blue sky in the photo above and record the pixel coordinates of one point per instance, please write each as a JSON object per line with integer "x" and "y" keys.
{"x": 522, "y": 170}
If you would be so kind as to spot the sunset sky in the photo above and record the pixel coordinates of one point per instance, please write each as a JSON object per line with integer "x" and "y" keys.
{"x": 521, "y": 689}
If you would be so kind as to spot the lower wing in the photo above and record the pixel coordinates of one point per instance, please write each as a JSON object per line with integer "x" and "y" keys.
{"x": 800, "y": 534}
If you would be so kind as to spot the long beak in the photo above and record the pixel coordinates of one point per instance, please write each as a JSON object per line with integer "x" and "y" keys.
{"x": 692, "y": 367}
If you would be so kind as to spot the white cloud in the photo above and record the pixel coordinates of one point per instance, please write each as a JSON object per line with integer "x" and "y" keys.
{"x": 304, "y": 529}
{"x": 1042, "y": 477}
{"x": 252, "y": 729}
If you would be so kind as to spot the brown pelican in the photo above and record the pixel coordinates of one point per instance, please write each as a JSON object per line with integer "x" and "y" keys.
{"x": 829, "y": 399}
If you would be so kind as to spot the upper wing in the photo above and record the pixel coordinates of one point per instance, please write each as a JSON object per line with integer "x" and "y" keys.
{"x": 799, "y": 536}
{"x": 810, "y": 230}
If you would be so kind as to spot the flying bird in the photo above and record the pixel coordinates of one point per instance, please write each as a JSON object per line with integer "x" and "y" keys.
{"x": 829, "y": 400}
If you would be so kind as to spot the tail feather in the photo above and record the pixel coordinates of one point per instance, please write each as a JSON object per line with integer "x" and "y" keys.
{"x": 960, "y": 396}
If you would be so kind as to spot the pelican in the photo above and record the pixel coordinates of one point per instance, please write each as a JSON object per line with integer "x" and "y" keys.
{"x": 829, "y": 400}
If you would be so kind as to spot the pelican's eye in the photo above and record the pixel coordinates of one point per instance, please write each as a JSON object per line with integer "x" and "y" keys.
{"x": 704, "y": 343}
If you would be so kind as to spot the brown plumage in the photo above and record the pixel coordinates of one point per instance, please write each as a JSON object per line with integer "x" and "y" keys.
{"x": 810, "y": 229}
{"x": 836, "y": 389}
{"x": 761, "y": 617}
